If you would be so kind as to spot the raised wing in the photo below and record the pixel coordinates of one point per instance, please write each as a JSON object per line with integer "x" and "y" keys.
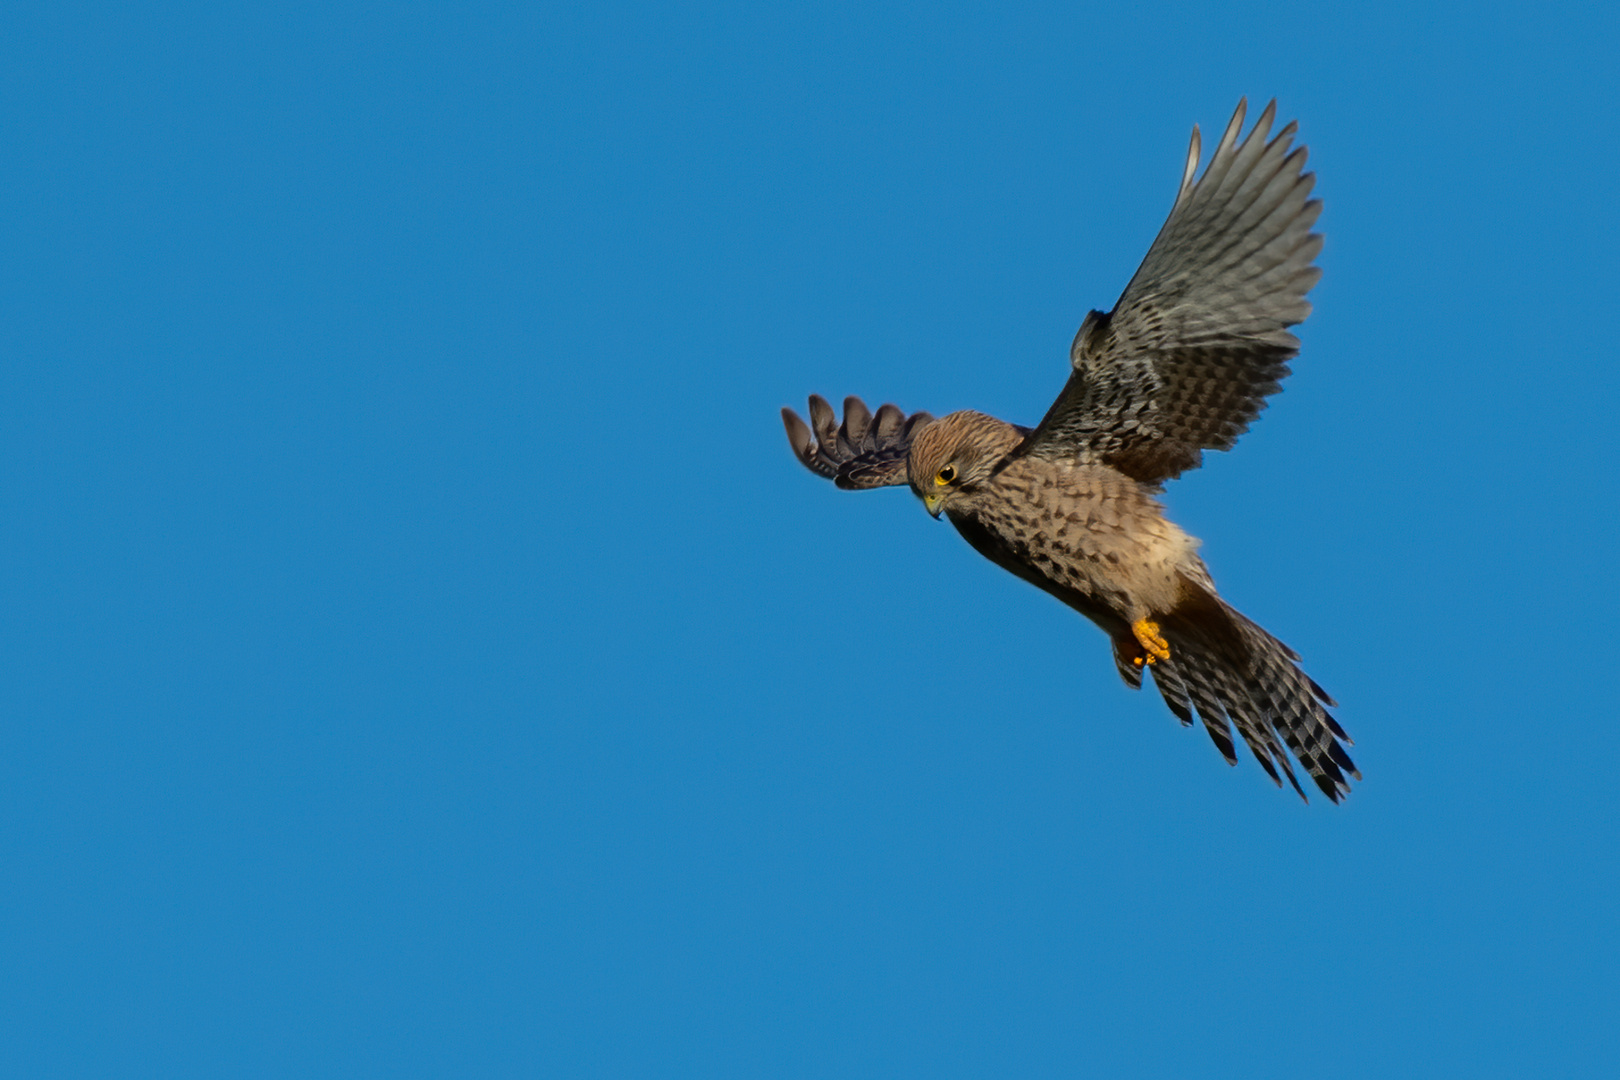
{"x": 865, "y": 451}
{"x": 1199, "y": 338}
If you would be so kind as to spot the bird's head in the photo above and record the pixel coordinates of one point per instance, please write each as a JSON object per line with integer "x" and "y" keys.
{"x": 954, "y": 455}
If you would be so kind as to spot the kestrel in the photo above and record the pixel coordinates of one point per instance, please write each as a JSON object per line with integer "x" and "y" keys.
{"x": 1183, "y": 363}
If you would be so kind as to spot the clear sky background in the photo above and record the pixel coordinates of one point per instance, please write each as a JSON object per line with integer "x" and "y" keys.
{"x": 423, "y": 656}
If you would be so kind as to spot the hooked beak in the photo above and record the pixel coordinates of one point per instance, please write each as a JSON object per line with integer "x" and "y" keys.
{"x": 931, "y": 502}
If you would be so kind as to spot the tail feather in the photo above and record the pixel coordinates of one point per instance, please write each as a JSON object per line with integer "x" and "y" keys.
{"x": 1182, "y": 694}
{"x": 1130, "y": 670}
{"x": 1296, "y": 701}
{"x": 1174, "y": 693}
{"x": 1226, "y": 686}
{"x": 1233, "y": 670}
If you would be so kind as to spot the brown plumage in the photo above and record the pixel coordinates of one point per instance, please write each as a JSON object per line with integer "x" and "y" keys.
{"x": 1182, "y": 364}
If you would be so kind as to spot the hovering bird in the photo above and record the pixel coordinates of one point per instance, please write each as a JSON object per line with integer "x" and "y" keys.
{"x": 1184, "y": 363}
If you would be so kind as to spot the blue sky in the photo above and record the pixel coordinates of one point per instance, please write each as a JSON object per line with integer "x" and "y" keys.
{"x": 423, "y": 656}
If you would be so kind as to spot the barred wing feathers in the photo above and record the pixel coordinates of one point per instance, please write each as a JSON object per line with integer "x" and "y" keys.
{"x": 865, "y": 451}
{"x": 1199, "y": 338}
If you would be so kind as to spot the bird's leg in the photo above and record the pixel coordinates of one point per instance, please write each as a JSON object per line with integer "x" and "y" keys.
{"x": 1154, "y": 647}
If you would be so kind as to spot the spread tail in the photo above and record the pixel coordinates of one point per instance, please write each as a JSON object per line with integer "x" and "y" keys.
{"x": 1232, "y": 672}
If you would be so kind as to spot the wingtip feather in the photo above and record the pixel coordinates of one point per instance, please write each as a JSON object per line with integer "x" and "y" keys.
{"x": 1194, "y": 152}
{"x": 857, "y": 419}
{"x": 1233, "y": 126}
{"x": 798, "y": 433}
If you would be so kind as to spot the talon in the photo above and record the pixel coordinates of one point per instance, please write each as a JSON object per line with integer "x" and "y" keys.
{"x": 1147, "y": 634}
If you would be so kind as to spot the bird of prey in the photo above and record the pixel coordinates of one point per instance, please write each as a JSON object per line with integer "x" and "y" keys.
{"x": 1184, "y": 363}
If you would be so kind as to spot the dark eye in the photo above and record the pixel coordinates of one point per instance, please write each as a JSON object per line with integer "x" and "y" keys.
{"x": 947, "y": 475}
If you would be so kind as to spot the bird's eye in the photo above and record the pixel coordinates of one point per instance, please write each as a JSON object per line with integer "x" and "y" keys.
{"x": 947, "y": 475}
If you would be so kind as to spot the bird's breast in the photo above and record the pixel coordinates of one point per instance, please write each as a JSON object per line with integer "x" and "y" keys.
{"x": 1078, "y": 529}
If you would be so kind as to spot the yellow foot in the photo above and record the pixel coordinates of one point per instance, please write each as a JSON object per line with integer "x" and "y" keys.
{"x": 1154, "y": 646}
